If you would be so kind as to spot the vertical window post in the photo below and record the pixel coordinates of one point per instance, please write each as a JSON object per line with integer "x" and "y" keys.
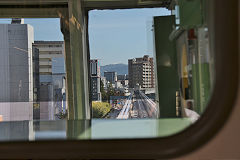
{"x": 78, "y": 48}
{"x": 68, "y": 61}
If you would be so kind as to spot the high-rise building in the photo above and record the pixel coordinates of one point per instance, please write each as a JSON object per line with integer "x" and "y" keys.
{"x": 16, "y": 71}
{"x": 122, "y": 77}
{"x": 52, "y": 78}
{"x": 95, "y": 80}
{"x": 111, "y": 77}
{"x": 104, "y": 82}
{"x": 51, "y": 57}
{"x": 36, "y": 84}
{"x": 141, "y": 72}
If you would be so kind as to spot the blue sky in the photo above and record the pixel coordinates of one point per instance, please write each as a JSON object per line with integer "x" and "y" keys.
{"x": 115, "y": 35}
{"x": 118, "y": 35}
{"x": 47, "y": 29}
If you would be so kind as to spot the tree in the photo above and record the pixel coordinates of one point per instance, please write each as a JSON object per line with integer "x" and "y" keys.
{"x": 103, "y": 92}
{"x": 100, "y": 109}
{"x": 110, "y": 91}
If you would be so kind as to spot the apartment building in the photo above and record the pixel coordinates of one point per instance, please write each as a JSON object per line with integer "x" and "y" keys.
{"x": 141, "y": 72}
{"x": 111, "y": 77}
{"x": 52, "y": 78}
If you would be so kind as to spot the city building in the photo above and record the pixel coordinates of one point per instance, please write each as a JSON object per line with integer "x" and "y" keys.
{"x": 124, "y": 83}
{"x": 52, "y": 75}
{"x": 16, "y": 87}
{"x": 36, "y": 84}
{"x": 95, "y": 80}
{"x": 104, "y": 82}
{"x": 49, "y": 53}
{"x": 141, "y": 72}
{"x": 118, "y": 84}
{"x": 111, "y": 77}
{"x": 122, "y": 77}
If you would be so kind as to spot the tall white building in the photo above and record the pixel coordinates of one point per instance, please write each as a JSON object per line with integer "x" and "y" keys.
{"x": 16, "y": 71}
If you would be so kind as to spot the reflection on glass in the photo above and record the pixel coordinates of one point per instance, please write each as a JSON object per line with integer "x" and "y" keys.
{"x": 90, "y": 129}
{"x": 194, "y": 70}
{"x": 32, "y": 70}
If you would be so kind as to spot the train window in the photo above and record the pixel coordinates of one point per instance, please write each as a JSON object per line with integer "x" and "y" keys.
{"x": 122, "y": 63}
{"x": 169, "y": 71}
{"x": 167, "y": 94}
{"x": 156, "y": 68}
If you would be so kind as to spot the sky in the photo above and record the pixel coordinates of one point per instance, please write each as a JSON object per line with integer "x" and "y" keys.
{"x": 115, "y": 35}
{"x": 47, "y": 29}
{"x": 118, "y": 35}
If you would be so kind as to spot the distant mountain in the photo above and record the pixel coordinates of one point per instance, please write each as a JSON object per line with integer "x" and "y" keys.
{"x": 119, "y": 68}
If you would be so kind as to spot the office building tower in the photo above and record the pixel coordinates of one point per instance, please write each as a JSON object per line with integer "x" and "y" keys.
{"x": 122, "y": 77}
{"x": 104, "y": 82}
{"x": 111, "y": 77}
{"x": 95, "y": 80}
{"x": 141, "y": 72}
{"x": 16, "y": 87}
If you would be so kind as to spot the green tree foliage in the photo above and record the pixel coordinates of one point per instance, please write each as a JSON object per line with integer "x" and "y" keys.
{"x": 110, "y": 91}
{"x": 100, "y": 109}
{"x": 106, "y": 94}
{"x": 103, "y": 92}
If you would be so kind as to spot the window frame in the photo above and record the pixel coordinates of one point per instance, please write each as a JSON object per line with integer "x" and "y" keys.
{"x": 225, "y": 34}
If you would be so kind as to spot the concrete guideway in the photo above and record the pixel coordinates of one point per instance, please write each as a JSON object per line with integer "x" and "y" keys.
{"x": 141, "y": 110}
{"x": 124, "y": 114}
{"x": 143, "y": 107}
{"x": 150, "y": 104}
{"x": 148, "y": 99}
{"x": 138, "y": 105}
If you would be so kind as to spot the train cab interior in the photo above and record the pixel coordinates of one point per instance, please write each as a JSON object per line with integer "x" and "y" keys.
{"x": 188, "y": 108}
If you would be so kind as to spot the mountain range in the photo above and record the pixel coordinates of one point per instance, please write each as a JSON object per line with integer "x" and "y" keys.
{"x": 121, "y": 69}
